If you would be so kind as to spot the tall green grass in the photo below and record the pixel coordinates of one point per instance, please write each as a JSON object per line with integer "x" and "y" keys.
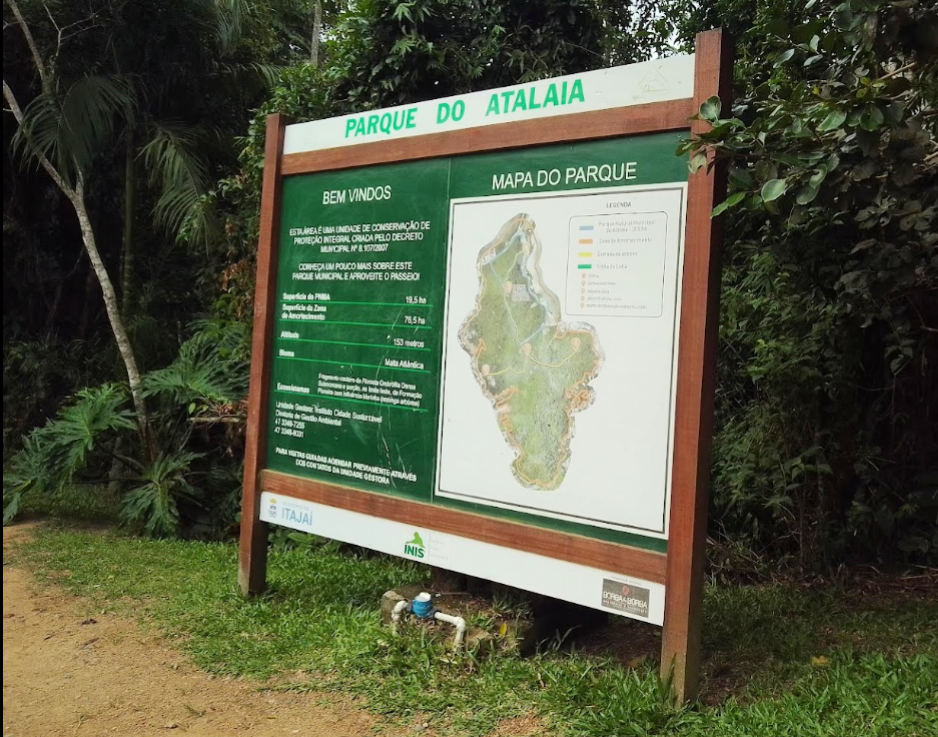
{"x": 779, "y": 660}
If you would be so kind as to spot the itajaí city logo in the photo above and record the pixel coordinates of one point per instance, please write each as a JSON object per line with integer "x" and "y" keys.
{"x": 415, "y": 548}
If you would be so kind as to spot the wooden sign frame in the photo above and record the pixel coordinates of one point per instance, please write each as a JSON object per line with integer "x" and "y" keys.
{"x": 681, "y": 569}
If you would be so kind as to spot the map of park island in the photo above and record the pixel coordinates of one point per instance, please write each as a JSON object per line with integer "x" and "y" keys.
{"x": 534, "y": 368}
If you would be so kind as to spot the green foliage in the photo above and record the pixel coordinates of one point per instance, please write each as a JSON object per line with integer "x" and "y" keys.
{"x": 389, "y": 52}
{"x": 21, "y": 475}
{"x": 54, "y": 454}
{"x": 826, "y": 434}
{"x": 71, "y": 437}
{"x": 193, "y": 401}
{"x": 210, "y": 369}
{"x": 180, "y": 173}
{"x": 827, "y": 338}
{"x": 37, "y": 376}
{"x": 69, "y": 126}
{"x": 826, "y": 443}
{"x": 395, "y": 52}
{"x": 153, "y": 502}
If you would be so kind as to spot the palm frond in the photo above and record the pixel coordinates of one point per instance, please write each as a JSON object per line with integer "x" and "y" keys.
{"x": 70, "y": 128}
{"x": 181, "y": 173}
{"x": 248, "y": 73}
{"x": 230, "y": 16}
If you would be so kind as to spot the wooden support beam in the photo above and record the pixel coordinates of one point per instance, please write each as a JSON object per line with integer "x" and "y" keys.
{"x": 696, "y": 378}
{"x": 252, "y": 568}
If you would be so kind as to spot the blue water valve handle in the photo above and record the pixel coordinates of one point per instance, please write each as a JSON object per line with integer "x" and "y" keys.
{"x": 422, "y": 605}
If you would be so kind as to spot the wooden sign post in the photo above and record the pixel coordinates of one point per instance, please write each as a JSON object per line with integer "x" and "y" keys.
{"x": 485, "y": 335}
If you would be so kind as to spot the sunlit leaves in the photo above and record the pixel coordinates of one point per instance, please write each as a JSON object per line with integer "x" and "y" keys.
{"x": 833, "y": 121}
{"x": 698, "y": 161}
{"x": 833, "y": 211}
{"x": 710, "y": 108}
{"x": 731, "y": 201}
{"x": 773, "y": 189}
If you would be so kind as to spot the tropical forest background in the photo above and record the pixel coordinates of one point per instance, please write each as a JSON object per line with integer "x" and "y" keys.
{"x": 133, "y": 153}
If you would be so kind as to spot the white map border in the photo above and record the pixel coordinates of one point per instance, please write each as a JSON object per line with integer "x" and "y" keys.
{"x": 682, "y": 232}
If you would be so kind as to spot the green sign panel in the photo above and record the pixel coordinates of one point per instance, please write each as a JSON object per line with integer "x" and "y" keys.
{"x": 356, "y": 350}
{"x": 398, "y": 360}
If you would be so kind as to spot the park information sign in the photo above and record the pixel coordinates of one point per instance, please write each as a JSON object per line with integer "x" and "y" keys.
{"x": 484, "y": 338}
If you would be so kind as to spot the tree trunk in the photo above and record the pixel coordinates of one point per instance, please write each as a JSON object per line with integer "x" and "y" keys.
{"x": 128, "y": 246}
{"x": 316, "y": 37}
{"x": 77, "y": 198}
{"x": 76, "y": 195}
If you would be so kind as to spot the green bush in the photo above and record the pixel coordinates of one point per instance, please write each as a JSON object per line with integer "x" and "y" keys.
{"x": 190, "y": 483}
{"x": 827, "y": 446}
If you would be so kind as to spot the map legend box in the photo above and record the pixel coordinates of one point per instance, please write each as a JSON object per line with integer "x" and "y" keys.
{"x": 615, "y": 264}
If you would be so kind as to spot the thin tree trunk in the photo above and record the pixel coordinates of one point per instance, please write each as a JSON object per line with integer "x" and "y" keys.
{"x": 118, "y": 469}
{"x": 53, "y": 309}
{"x": 128, "y": 247}
{"x": 31, "y": 43}
{"x": 316, "y": 37}
{"x": 76, "y": 195}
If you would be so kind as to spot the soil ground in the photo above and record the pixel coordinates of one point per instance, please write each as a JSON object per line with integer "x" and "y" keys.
{"x": 68, "y": 672}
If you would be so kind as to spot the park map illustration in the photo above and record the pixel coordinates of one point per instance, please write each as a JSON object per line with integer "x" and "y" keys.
{"x": 534, "y": 368}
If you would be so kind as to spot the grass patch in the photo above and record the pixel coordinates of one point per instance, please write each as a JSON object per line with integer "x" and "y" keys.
{"x": 782, "y": 660}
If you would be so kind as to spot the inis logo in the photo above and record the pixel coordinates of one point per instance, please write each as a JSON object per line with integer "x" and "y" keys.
{"x": 415, "y": 548}
{"x": 272, "y": 508}
{"x": 625, "y": 598}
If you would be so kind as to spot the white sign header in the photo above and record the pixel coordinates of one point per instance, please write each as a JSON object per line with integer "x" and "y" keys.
{"x": 658, "y": 80}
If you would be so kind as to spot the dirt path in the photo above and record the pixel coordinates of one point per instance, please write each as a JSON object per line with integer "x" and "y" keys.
{"x": 65, "y": 673}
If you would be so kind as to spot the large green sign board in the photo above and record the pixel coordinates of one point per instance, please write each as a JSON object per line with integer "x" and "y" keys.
{"x": 484, "y": 339}
{"x": 357, "y": 378}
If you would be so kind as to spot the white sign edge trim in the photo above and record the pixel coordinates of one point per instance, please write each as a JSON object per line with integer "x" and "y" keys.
{"x": 540, "y": 574}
